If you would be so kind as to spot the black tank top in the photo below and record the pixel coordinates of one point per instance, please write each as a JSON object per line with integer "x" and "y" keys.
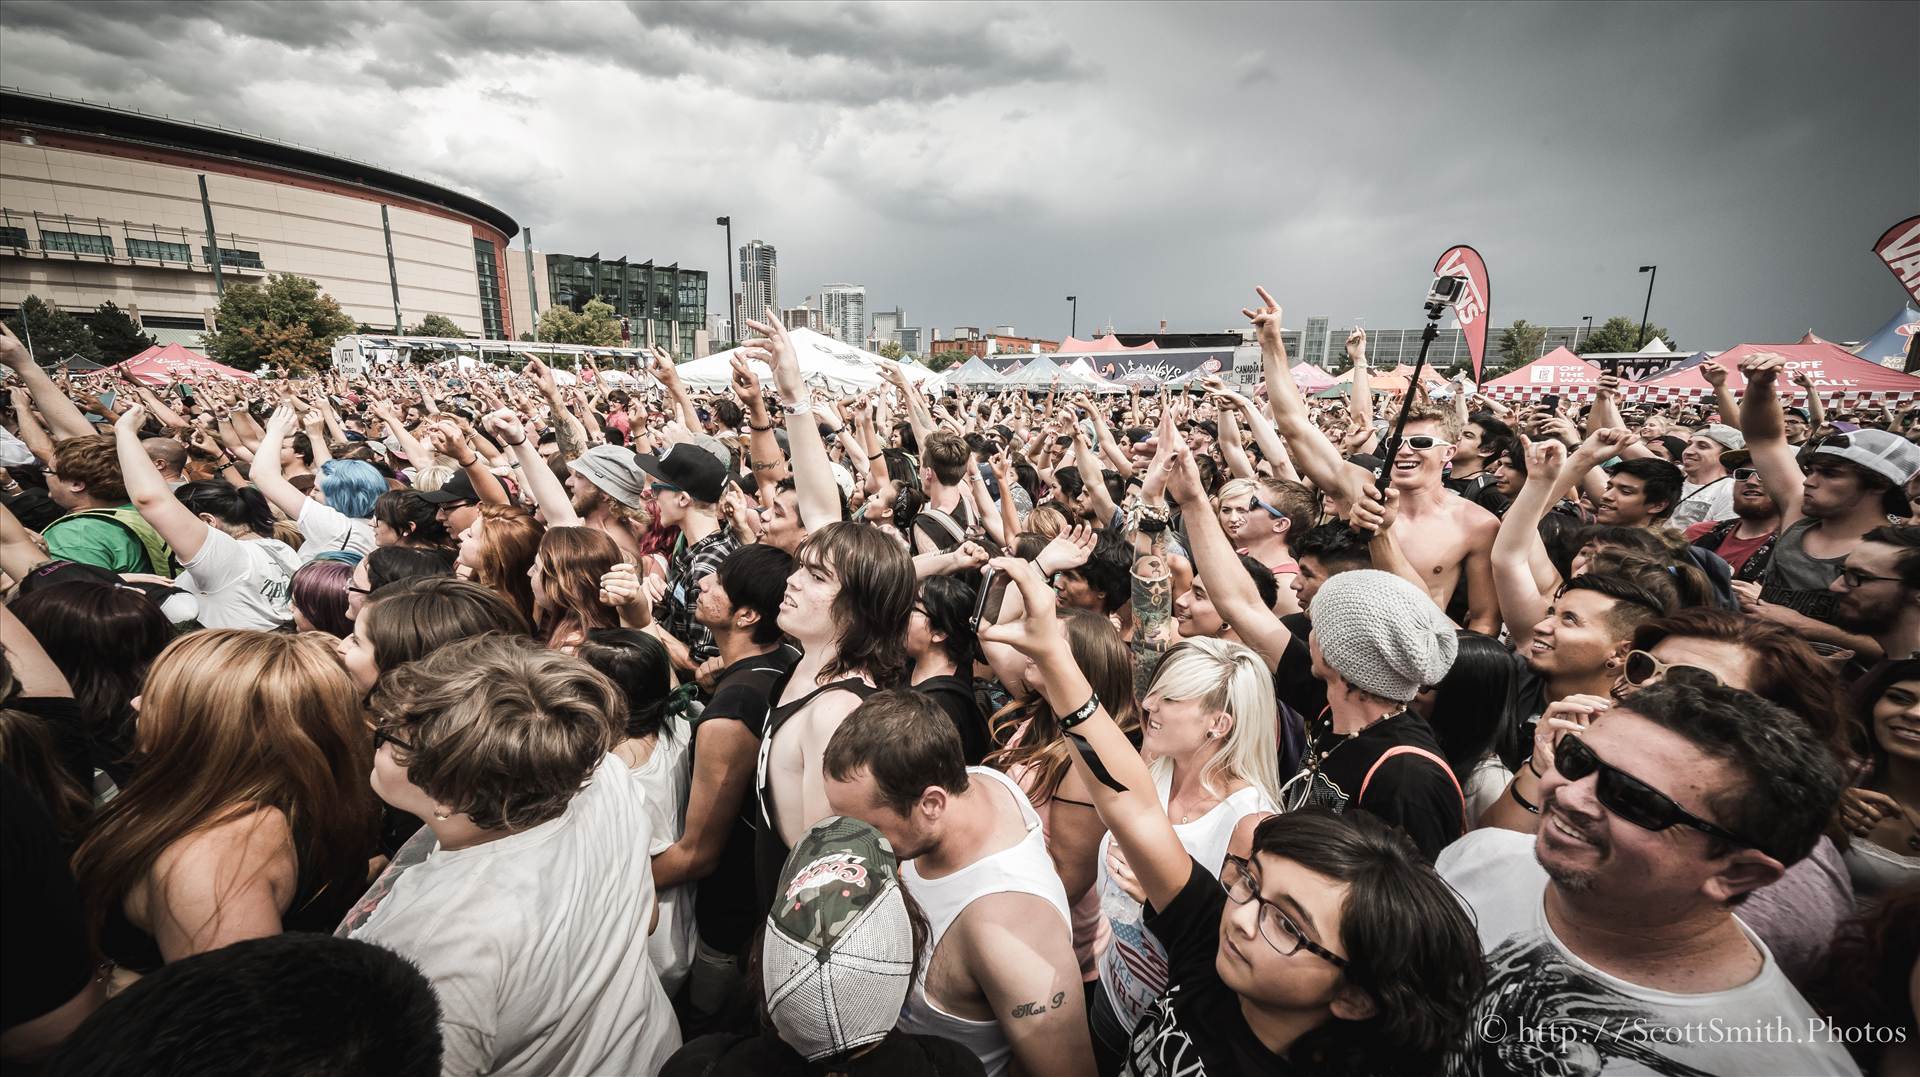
{"x": 769, "y": 851}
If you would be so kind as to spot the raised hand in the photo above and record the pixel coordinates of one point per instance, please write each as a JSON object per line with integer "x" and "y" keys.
{"x": 1357, "y": 344}
{"x": 1715, "y": 372}
{"x": 506, "y": 425}
{"x": 1569, "y": 715}
{"x": 1372, "y": 512}
{"x": 1544, "y": 460}
{"x": 775, "y": 348}
{"x": 131, "y": 420}
{"x": 1069, "y": 549}
{"x": 1762, "y": 368}
{"x": 12, "y": 352}
{"x": 1266, "y": 320}
{"x": 1037, "y": 633}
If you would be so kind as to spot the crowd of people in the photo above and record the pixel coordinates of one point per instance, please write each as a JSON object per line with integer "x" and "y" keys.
{"x": 493, "y": 722}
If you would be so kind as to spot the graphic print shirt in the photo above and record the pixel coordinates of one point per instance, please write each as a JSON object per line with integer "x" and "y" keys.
{"x": 1545, "y": 1010}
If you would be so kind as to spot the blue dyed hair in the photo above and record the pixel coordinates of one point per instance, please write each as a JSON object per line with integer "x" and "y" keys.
{"x": 351, "y": 487}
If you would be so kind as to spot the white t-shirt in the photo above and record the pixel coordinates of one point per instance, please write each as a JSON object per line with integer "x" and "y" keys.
{"x": 1703, "y": 501}
{"x": 665, "y": 778}
{"x": 323, "y": 528}
{"x": 1547, "y": 1011}
{"x": 1133, "y": 967}
{"x": 536, "y": 943}
{"x": 1485, "y": 783}
{"x": 241, "y": 583}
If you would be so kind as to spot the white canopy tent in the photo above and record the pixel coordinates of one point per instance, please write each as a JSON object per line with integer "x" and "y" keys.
{"x": 824, "y": 362}
{"x": 975, "y": 373}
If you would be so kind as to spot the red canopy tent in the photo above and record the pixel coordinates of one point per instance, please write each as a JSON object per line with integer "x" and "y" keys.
{"x": 1840, "y": 376}
{"x": 1310, "y": 378}
{"x": 1559, "y": 371}
{"x": 160, "y": 366}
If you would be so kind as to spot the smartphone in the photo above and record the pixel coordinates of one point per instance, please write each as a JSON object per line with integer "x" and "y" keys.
{"x": 988, "y": 576}
{"x": 1551, "y": 402}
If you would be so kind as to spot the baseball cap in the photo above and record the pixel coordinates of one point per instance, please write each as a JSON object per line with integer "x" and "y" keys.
{"x": 458, "y": 488}
{"x": 837, "y": 956}
{"x": 613, "y": 471}
{"x": 687, "y": 467}
{"x": 1890, "y": 456}
{"x": 1725, "y": 436}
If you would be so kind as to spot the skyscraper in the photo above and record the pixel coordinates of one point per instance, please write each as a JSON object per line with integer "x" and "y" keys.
{"x": 886, "y": 325}
{"x": 759, "y": 281}
{"x": 845, "y": 309}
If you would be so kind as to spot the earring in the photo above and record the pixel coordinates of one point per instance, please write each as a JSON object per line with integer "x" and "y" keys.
{"x": 442, "y": 814}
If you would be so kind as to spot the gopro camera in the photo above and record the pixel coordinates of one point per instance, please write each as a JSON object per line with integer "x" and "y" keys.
{"x": 1443, "y": 293}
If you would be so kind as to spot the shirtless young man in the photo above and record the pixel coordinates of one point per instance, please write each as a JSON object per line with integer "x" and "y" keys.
{"x": 1443, "y": 536}
{"x": 846, "y": 605}
{"x": 999, "y": 975}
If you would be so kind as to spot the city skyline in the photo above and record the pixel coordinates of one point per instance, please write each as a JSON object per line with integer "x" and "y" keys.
{"x": 1569, "y": 144}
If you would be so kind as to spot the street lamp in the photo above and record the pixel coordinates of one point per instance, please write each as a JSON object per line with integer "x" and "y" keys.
{"x": 1654, "y": 272}
{"x": 1074, "y": 326}
{"x": 1588, "y": 318}
{"x": 733, "y": 302}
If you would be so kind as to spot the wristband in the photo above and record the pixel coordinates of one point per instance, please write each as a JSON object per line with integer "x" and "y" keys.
{"x": 1082, "y": 713}
{"x": 1152, "y": 525}
{"x": 793, "y": 409}
{"x": 876, "y": 456}
{"x": 1513, "y": 790}
{"x": 1531, "y": 767}
{"x": 762, "y": 429}
{"x": 516, "y": 444}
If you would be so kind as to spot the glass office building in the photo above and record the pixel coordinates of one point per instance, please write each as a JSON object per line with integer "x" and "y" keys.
{"x": 662, "y": 305}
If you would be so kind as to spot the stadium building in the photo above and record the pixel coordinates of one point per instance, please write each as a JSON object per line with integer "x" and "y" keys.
{"x": 159, "y": 215}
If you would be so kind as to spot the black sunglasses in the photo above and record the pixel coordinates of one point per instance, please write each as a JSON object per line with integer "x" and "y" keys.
{"x": 1630, "y": 798}
{"x": 384, "y": 735}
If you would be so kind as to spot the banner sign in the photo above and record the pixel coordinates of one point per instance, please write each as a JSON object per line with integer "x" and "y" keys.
{"x": 1472, "y": 308}
{"x": 1890, "y": 345}
{"x": 1899, "y": 247}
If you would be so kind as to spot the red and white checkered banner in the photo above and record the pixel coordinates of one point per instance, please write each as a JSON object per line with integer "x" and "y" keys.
{"x": 1655, "y": 393}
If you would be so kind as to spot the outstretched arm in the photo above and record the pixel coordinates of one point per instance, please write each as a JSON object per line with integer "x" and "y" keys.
{"x": 1317, "y": 458}
{"x": 1218, "y": 566}
{"x": 266, "y": 473}
{"x": 1764, "y": 425}
{"x": 536, "y": 478}
{"x": 184, "y": 531}
{"x": 63, "y": 418}
{"x": 813, "y": 482}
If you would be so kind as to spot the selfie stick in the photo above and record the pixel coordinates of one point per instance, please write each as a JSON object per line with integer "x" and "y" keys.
{"x": 1437, "y": 301}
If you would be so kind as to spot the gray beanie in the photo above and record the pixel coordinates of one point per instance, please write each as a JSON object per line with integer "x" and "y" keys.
{"x": 1382, "y": 634}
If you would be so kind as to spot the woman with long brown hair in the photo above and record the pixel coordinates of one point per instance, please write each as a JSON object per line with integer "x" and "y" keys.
{"x": 248, "y": 814}
{"x": 1036, "y": 757}
{"x": 497, "y": 551}
{"x": 565, "y": 578}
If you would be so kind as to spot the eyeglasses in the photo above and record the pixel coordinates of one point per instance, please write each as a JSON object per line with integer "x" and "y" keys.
{"x": 1281, "y": 933}
{"x": 386, "y": 735}
{"x": 656, "y": 487}
{"x": 1271, "y": 511}
{"x": 1628, "y": 797}
{"x": 1742, "y": 474}
{"x": 1644, "y": 669}
{"x": 1851, "y": 578}
{"x": 356, "y": 590}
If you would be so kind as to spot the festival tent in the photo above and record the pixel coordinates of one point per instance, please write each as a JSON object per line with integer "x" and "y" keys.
{"x": 1839, "y": 376}
{"x": 825, "y": 363}
{"x": 1888, "y": 347}
{"x": 973, "y": 374}
{"x": 1559, "y": 371}
{"x": 1108, "y": 343}
{"x": 1082, "y": 369}
{"x": 162, "y": 365}
{"x": 1310, "y": 378}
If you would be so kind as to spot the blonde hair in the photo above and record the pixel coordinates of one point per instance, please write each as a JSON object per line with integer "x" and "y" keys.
{"x": 429, "y": 479}
{"x": 1044, "y": 520}
{"x": 1231, "y": 678}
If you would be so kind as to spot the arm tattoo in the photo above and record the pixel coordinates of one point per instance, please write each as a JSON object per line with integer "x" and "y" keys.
{"x": 1035, "y": 1009}
{"x": 1152, "y": 607}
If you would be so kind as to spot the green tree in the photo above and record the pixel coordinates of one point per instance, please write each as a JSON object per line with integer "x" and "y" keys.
{"x": 435, "y": 325}
{"x": 288, "y": 321}
{"x": 1520, "y": 342}
{"x": 116, "y": 335}
{"x": 56, "y": 334}
{"x": 946, "y": 359}
{"x": 1621, "y": 334}
{"x": 595, "y": 326}
{"x": 892, "y": 350}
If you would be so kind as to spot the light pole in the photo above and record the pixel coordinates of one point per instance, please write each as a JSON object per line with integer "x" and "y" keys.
{"x": 1073, "y": 329}
{"x": 733, "y": 302}
{"x": 1588, "y": 318}
{"x": 1653, "y": 273}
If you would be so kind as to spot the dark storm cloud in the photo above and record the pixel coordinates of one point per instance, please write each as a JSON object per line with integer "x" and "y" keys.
{"x": 974, "y": 163}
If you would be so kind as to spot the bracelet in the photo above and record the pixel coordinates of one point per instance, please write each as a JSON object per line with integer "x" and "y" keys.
{"x": 762, "y": 429}
{"x": 794, "y": 409}
{"x": 1081, "y": 713}
{"x": 515, "y": 466}
{"x": 1531, "y": 767}
{"x": 1513, "y": 790}
{"x": 877, "y": 455}
{"x": 516, "y": 444}
{"x": 1152, "y": 525}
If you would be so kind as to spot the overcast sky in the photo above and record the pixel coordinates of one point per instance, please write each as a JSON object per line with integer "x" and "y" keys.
{"x": 976, "y": 163}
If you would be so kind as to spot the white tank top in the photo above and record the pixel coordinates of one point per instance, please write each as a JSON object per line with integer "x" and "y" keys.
{"x": 1133, "y": 967}
{"x": 1024, "y": 868}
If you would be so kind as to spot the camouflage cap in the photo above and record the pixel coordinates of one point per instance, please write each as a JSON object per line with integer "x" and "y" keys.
{"x": 837, "y": 957}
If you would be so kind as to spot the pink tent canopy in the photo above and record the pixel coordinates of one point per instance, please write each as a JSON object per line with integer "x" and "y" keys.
{"x": 1109, "y": 343}
{"x": 162, "y": 366}
{"x": 1310, "y": 378}
{"x": 1840, "y": 376}
{"x": 1559, "y": 371}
